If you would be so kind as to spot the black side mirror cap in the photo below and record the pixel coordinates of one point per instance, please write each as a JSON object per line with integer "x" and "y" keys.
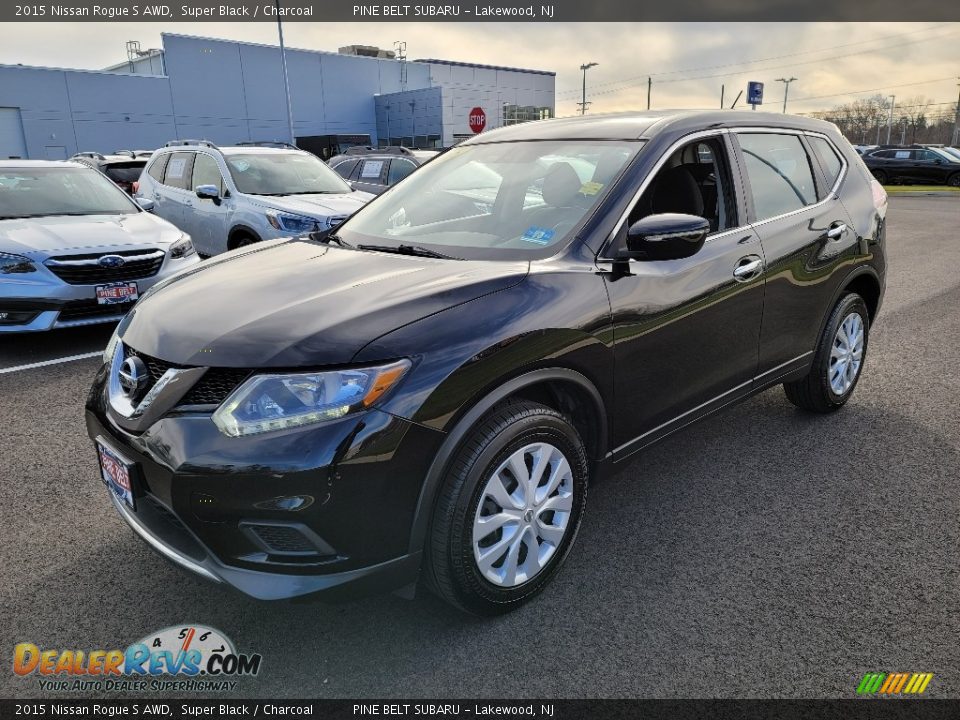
{"x": 665, "y": 236}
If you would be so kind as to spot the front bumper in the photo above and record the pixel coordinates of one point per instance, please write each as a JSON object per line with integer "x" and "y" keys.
{"x": 202, "y": 499}
{"x": 41, "y": 301}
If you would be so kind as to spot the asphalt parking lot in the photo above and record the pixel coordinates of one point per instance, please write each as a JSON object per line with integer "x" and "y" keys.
{"x": 761, "y": 553}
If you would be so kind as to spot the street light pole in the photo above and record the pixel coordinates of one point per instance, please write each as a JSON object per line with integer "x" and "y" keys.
{"x": 893, "y": 100}
{"x": 786, "y": 89}
{"x": 286, "y": 79}
{"x": 583, "y": 105}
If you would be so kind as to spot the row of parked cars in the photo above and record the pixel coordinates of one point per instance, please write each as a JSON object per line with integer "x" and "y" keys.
{"x": 78, "y": 249}
{"x": 913, "y": 164}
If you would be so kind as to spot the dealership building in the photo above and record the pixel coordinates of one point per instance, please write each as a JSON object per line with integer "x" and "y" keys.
{"x": 229, "y": 92}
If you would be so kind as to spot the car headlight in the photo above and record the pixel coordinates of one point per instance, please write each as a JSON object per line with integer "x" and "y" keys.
{"x": 295, "y": 223}
{"x": 265, "y": 403}
{"x": 182, "y": 248}
{"x": 15, "y": 264}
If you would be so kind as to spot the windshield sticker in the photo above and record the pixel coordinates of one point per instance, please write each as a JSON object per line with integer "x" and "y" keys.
{"x": 241, "y": 165}
{"x": 372, "y": 168}
{"x": 538, "y": 235}
{"x": 591, "y": 188}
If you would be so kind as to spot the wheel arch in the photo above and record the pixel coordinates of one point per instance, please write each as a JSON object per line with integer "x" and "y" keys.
{"x": 238, "y": 230}
{"x": 563, "y": 389}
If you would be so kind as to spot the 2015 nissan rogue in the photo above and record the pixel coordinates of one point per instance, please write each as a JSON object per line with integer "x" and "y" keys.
{"x": 428, "y": 393}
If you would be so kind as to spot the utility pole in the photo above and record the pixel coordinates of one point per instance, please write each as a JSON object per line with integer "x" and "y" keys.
{"x": 893, "y": 100}
{"x": 722, "y": 88}
{"x": 584, "y": 103}
{"x": 286, "y": 79}
{"x": 649, "y": 84}
{"x": 956, "y": 122}
{"x": 786, "y": 89}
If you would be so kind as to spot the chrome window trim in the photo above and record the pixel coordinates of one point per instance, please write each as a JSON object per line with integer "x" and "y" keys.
{"x": 94, "y": 262}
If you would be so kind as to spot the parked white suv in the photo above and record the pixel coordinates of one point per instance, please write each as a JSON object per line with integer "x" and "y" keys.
{"x": 227, "y": 197}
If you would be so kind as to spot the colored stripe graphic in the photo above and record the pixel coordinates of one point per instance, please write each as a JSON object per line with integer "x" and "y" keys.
{"x": 894, "y": 683}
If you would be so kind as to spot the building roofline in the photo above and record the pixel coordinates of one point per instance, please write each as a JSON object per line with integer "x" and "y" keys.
{"x": 249, "y": 43}
{"x": 457, "y": 63}
{"x": 20, "y": 66}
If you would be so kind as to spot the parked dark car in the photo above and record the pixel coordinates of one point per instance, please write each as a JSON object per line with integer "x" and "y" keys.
{"x": 428, "y": 393}
{"x": 373, "y": 170}
{"x": 916, "y": 165}
{"x": 123, "y": 167}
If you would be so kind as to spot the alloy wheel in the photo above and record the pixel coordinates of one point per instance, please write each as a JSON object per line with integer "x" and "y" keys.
{"x": 846, "y": 355}
{"x": 523, "y": 514}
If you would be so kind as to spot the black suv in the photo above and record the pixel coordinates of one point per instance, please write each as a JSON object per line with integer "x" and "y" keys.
{"x": 373, "y": 170}
{"x": 428, "y": 393}
{"x": 123, "y": 166}
{"x": 913, "y": 165}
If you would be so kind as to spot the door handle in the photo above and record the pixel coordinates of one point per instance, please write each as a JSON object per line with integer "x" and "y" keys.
{"x": 836, "y": 231}
{"x": 747, "y": 268}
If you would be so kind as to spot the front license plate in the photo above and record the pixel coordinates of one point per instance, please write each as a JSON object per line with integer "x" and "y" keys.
{"x": 117, "y": 473}
{"x": 117, "y": 293}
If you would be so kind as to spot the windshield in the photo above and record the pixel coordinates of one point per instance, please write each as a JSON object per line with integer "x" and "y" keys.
{"x": 283, "y": 173}
{"x": 951, "y": 154}
{"x": 500, "y": 200}
{"x": 40, "y": 191}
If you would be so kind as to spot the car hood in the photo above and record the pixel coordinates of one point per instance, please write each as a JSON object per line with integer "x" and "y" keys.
{"x": 298, "y": 303}
{"x": 318, "y": 205}
{"x": 40, "y": 237}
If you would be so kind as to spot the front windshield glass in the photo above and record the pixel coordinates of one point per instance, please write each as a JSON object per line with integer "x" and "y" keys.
{"x": 500, "y": 200}
{"x": 283, "y": 173}
{"x": 27, "y": 192}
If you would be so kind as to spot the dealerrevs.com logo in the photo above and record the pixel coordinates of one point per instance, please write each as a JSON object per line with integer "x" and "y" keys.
{"x": 178, "y": 658}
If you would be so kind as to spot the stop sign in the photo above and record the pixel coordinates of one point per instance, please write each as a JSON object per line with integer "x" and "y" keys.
{"x": 478, "y": 119}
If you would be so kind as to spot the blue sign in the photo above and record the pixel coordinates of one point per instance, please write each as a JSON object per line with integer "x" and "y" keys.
{"x": 755, "y": 93}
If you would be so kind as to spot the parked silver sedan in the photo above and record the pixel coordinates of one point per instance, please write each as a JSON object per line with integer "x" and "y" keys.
{"x": 75, "y": 249}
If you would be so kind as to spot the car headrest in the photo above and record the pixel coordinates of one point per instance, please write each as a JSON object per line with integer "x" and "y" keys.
{"x": 677, "y": 192}
{"x": 561, "y": 185}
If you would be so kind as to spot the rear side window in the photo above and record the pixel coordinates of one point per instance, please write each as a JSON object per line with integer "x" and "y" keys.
{"x": 830, "y": 162}
{"x": 158, "y": 166}
{"x": 179, "y": 169}
{"x": 399, "y": 169}
{"x": 345, "y": 168}
{"x": 778, "y": 168}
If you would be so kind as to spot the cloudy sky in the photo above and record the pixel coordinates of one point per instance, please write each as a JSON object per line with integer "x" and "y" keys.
{"x": 834, "y": 62}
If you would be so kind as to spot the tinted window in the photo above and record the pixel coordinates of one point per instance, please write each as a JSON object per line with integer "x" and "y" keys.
{"x": 206, "y": 172}
{"x": 882, "y": 154}
{"x": 399, "y": 169}
{"x": 830, "y": 162}
{"x": 928, "y": 155}
{"x": 346, "y": 167}
{"x": 178, "y": 170}
{"x": 124, "y": 173}
{"x": 158, "y": 166}
{"x": 779, "y": 171}
{"x": 371, "y": 171}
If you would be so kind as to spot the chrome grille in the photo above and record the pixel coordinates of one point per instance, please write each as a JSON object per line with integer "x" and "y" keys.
{"x": 212, "y": 388}
{"x": 85, "y": 269}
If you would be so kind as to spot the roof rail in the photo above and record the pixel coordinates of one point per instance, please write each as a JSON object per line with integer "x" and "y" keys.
{"x": 369, "y": 150}
{"x": 267, "y": 143}
{"x": 128, "y": 153}
{"x": 179, "y": 143}
{"x": 90, "y": 154}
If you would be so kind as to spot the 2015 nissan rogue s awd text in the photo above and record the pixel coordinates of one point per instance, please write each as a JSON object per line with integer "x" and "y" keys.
{"x": 427, "y": 394}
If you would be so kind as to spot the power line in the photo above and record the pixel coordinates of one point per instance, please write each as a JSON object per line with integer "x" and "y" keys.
{"x": 636, "y": 80}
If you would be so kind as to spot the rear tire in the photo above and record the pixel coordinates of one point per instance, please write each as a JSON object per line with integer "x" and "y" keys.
{"x": 499, "y": 535}
{"x": 880, "y": 176}
{"x": 242, "y": 239}
{"x": 954, "y": 180}
{"x": 838, "y": 361}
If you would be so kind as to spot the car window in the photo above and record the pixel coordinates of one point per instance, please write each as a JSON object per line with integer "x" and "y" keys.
{"x": 45, "y": 191}
{"x": 778, "y": 168}
{"x": 124, "y": 173}
{"x": 371, "y": 171}
{"x": 345, "y": 168}
{"x": 179, "y": 168}
{"x": 207, "y": 172}
{"x": 283, "y": 173}
{"x": 885, "y": 154}
{"x": 830, "y": 161}
{"x": 928, "y": 155}
{"x": 399, "y": 169}
{"x": 494, "y": 200}
{"x": 158, "y": 166}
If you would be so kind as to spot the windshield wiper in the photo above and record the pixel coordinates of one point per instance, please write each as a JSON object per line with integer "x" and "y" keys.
{"x": 326, "y": 237}
{"x": 415, "y": 250}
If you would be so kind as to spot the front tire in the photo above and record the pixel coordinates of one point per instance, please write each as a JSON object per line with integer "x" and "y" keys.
{"x": 954, "y": 180}
{"x": 880, "y": 176}
{"x": 509, "y": 509}
{"x": 838, "y": 361}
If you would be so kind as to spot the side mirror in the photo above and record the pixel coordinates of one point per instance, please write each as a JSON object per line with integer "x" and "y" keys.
{"x": 207, "y": 192}
{"x": 666, "y": 236}
{"x": 145, "y": 203}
